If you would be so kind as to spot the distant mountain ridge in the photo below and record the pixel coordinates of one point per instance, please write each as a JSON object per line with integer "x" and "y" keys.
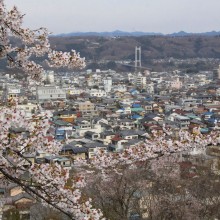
{"x": 119, "y": 33}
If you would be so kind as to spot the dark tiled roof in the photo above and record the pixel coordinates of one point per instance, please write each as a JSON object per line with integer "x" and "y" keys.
{"x": 107, "y": 133}
{"x": 94, "y": 145}
{"x": 127, "y": 132}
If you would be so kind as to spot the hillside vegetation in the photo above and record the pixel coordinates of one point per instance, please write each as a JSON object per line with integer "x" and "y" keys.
{"x": 98, "y": 48}
{"x": 153, "y": 47}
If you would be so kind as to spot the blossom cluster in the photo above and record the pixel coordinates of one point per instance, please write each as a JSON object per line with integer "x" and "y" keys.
{"x": 51, "y": 183}
{"x": 158, "y": 145}
{"x": 20, "y": 137}
{"x": 33, "y": 43}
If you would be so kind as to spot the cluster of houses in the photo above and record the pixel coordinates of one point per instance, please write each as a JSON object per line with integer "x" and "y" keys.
{"x": 110, "y": 111}
{"x": 113, "y": 111}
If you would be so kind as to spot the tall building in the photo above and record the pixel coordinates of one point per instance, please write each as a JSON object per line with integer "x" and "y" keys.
{"x": 108, "y": 84}
{"x": 140, "y": 81}
{"x": 137, "y": 58}
{"x": 216, "y": 73}
{"x": 150, "y": 88}
{"x": 48, "y": 76}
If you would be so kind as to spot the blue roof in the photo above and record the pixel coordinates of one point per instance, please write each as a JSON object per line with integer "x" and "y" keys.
{"x": 208, "y": 113}
{"x": 204, "y": 130}
{"x": 212, "y": 120}
{"x": 132, "y": 90}
{"x": 60, "y": 132}
{"x": 136, "y": 116}
{"x": 136, "y": 105}
{"x": 149, "y": 99}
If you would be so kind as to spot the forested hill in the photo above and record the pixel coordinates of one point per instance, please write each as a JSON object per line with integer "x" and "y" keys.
{"x": 153, "y": 47}
{"x": 97, "y": 48}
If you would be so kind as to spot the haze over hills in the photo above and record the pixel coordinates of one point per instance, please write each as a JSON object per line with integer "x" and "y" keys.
{"x": 136, "y": 33}
{"x": 153, "y": 47}
{"x": 180, "y": 45}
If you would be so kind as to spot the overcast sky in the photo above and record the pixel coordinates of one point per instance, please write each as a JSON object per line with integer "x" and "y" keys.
{"x": 165, "y": 16}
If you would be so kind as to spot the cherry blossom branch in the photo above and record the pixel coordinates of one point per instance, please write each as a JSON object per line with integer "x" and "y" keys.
{"x": 31, "y": 191}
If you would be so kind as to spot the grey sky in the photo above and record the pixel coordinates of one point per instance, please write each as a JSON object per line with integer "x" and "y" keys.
{"x": 166, "y": 16}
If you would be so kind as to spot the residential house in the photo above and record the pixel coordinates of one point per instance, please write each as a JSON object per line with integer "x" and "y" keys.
{"x": 91, "y": 135}
{"x": 63, "y": 129}
{"x": 67, "y": 115}
{"x": 82, "y": 126}
{"x": 93, "y": 147}
{"x": 63, "y": 161}
{"x": 126, "y": 124}
{"x": 148, "y": 107}
{"x": 74, "y": 152}
{"x": 29, "y": 109}
{"x": 188, "y": 102}
{"x": 106, "y": 137}
{"x": 117, "y": 144}
{"x": 128, "y": 134}
{"x": 182, "y": 122}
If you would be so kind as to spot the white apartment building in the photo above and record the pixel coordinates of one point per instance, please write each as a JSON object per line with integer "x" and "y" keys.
{"x": 150, "y": 88}
{"x": 28, "y": 108}
{"x": 45, "y": 93}
{"x": 107, "y": 84}
{"x": 48, "y": 76}
{"x": 140, "y": 81}
{"x": 131, "y": 77}
{"x": 12, "y": 91}
{"x": 97, "y": 93}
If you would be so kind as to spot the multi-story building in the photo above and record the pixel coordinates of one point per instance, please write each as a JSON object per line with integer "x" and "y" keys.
{"x": 182, "y": 122}
{"x": 176, "y": 84}
{"x": 45, "y": 93}
{"x": 216, "y": 73}
{"x": 12, "y": 92}
{"x": 49, "y": 77}
{"x": 87, "y": 109}
{"x": 140, "y": 81}
{"x": 150, "y": 88}
{"x": 107, "y": 84}
{"x": 98, "y": 93}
